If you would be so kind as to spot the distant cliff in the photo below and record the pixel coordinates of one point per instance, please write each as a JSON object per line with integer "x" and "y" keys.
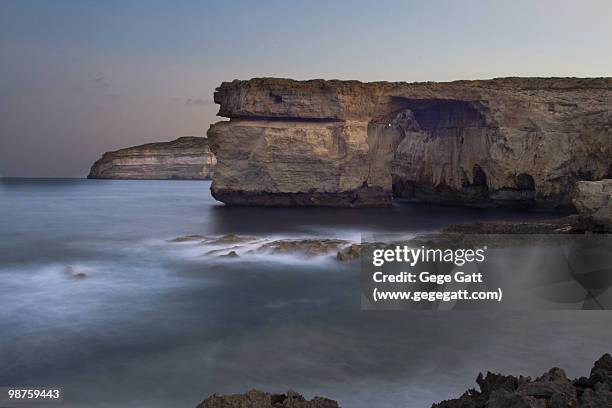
{"x": 186, "y": 158}
{"x": 502, "y": 142}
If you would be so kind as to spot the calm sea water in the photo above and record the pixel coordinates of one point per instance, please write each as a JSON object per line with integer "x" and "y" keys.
{"x": 162, "y": 324}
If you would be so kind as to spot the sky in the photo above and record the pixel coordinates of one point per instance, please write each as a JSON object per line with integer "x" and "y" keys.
{"x": 78, "y": 78}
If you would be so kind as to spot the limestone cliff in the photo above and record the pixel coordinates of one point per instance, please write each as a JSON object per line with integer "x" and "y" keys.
{"x": 509, "y": 141}
{"x": 593, "y": 201}
{"x": 187, "y": 158}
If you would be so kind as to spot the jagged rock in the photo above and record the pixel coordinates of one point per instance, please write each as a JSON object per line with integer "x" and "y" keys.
{"x": 597, "y": 397}
{"x": 259, "y": 399}
{"x": 600, "y": 373}
{"x": 593, "y": 201}
{"x": 551, "y": 390}
{"x": 186, "y": 158}
{"x": 602, "y": 370}
{"x": 508, "y": 141}
{"x": 554, "y": 386}
{"x": 309, "y": 247}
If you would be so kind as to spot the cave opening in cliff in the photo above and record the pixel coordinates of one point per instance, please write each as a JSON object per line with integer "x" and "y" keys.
{"x": 441, "y": 117}
{"x": 439, "y": 127}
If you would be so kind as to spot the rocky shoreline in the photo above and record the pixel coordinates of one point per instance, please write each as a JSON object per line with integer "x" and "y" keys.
{"x": 233, "y": 246}
{"x": 592, "y": 200}
{"x": 551, "y": 390}
{"x": 564, "y": 225}
{"x": 186, "y": 158}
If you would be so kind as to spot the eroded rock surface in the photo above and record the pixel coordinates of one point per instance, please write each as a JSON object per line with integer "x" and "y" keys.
{"x": 350, "y": 253}
{"x": 509, "y": 141}
{"x": 259, "y": 399}
{"x": 593, "y": 201}
{"x": 308, "y": 247}
{"x": 551, "y": 390}
{"x": 186, "y": 158}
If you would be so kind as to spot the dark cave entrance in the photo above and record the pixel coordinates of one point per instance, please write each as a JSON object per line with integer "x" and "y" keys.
{"x": 436, "y": 120}
{"x": 443, "y": 116}
{"x": 449, "y": 128}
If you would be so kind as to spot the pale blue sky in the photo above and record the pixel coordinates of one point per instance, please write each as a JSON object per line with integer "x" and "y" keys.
{"x": 78, "y": 78}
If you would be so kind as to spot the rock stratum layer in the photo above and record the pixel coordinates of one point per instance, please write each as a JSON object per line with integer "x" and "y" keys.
{"x": 509, "y": 141}
{"x": 186, "y": 158}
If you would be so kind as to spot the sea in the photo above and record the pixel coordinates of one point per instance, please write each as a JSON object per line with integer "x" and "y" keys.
{"x": 96, "y": 297}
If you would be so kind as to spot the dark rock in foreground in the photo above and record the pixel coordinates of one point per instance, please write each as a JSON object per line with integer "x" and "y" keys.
{"x": 551, "y": 390}
{"x": 186, "y": 158}
{"x": 259, "y": 399}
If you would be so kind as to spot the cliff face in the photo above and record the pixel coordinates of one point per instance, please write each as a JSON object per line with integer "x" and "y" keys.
{"x": 511, "y": 141}
{"x": 186, "y": 158}
{"x": 593, "y": 201}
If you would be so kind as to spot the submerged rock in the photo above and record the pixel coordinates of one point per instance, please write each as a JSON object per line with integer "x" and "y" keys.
{"x": 507, "y": 141}
{"x": 309, "y": 247}
{"x": 229, "y": 239}
{"x": 230, "y": 254}
{"x": 189, "y": 238}
{"x": 221, "y": 250}
{"x": 72, "y": 273}
{"x": 259, "y": 399}
{"x": 186, "y": 158}
{"x": 551, "y": 390}
{"x": 343, "y": 249}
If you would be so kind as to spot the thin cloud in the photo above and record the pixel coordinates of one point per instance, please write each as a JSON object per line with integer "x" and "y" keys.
{"x": 101, "y": 82}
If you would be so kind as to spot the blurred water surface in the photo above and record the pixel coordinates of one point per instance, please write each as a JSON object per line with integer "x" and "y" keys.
{"x": 161, "y": 324}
